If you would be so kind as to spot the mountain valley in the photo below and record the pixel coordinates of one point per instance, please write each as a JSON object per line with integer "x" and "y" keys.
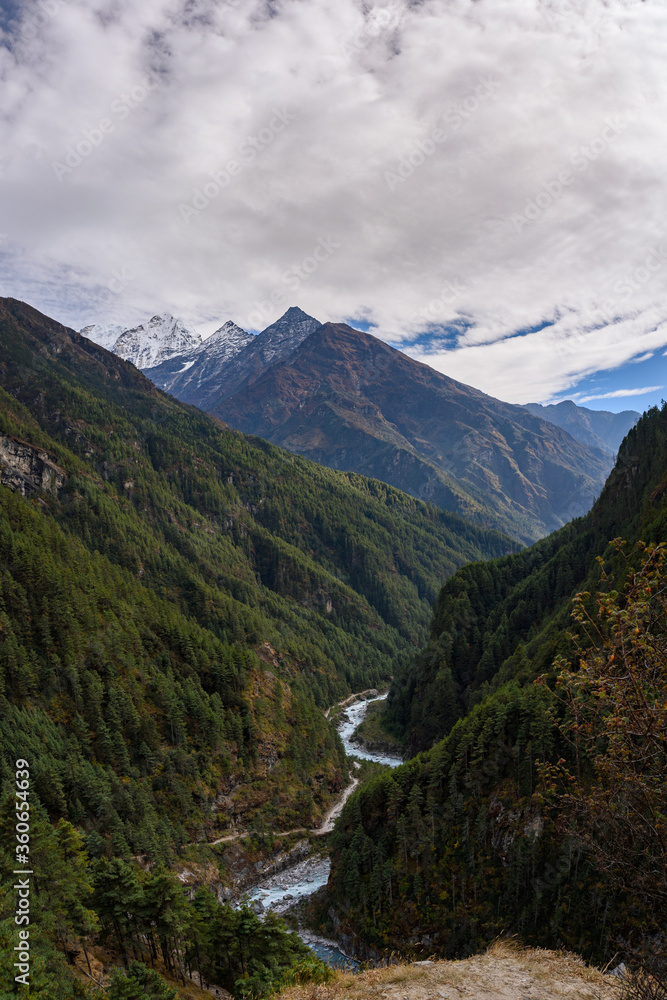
{"x": 181, "y": 604}
{"x": 510, "y": 817}
{"x": 333, "y": 500}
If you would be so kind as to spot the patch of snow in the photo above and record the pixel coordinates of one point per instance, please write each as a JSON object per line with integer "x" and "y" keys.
{"x": 222, "y": 345}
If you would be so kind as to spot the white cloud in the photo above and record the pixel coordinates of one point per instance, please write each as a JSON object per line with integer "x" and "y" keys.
{"x": 524, "y": 91}
{"x": 619, "y": 393}
{"x": 542, "y": 365}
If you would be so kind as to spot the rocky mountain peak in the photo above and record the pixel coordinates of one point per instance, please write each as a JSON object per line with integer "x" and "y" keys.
{"x": 228, "y": 333}
{"x": 284, "y": 336}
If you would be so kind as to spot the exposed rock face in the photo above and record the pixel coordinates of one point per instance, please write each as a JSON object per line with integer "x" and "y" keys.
{"x": 26, "y": 469}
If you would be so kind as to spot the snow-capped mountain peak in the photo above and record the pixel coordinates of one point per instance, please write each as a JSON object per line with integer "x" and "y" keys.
{"x": 225, "y": 342}
{"x": 183, "y": 372}
{"x": 231, "y": 357}
{"x": 161, "y": 338}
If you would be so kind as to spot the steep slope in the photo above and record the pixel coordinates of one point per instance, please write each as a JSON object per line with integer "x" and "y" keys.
{"x": 149, "y": 343}
{"x": 183, "y": 374}
{"x": 350, "y": 401}
{"x": 595, "y": 428}
{"x": 175, "y": 602}
{"x": 468, "y": 840}
{"x": 271, "y": 346}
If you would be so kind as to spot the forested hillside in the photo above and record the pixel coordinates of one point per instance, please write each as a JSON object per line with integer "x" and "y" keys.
{"x": 542, "y": 811}
{"x": 177, "y": 604}
{"x": 506, "y": 619}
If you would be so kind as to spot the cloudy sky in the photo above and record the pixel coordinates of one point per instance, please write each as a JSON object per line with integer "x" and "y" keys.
{"x": 479, "y": 182}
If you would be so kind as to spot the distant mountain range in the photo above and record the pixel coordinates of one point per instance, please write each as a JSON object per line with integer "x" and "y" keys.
{"x": 349, "y": 401}
{"x": 597, "y": 428}
{"x": 209, "y": 373}
{"x": 185, "y": 374}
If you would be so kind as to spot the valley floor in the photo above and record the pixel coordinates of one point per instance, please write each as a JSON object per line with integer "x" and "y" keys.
{"x": 505, "y": 972}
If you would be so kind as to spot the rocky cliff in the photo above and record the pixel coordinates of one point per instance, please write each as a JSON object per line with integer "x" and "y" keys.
{"x": 26, "y": 469}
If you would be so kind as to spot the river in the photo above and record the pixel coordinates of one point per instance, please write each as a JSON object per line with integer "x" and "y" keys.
{"x": 282, "y": 890}
{"x": 353, "y": 716}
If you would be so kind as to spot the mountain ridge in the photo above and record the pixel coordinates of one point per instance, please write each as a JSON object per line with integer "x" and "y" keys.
{"x": 260, "y": 503}
{"x": 268, "y": 348}
{"x": 498, "y": 468}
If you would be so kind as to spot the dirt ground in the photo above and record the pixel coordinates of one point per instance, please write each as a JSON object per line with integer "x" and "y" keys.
{"x": 506, "y": 972}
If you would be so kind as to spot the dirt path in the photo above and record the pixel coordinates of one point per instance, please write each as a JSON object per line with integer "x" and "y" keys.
{"x": 248, "y": 833}
{"x": 335, "y": 810}
{"x": 327, "y": 823}
{"x": 505, "y": 972}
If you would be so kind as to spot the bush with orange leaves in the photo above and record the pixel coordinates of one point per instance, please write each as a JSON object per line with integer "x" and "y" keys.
{"x": 613, "y": 797}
